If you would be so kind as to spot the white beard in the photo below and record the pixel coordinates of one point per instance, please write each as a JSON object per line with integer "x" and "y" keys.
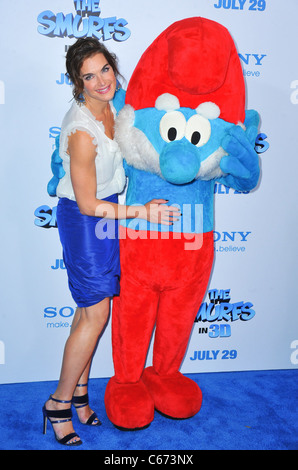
{"x": 139, "y": 153}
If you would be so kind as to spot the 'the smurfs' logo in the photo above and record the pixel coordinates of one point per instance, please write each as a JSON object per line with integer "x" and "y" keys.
{"x": 220, "y": 313}
{"x": 45, "y": 217}
{"x": 87, "y": 22}
{"x": 221, "y": 308}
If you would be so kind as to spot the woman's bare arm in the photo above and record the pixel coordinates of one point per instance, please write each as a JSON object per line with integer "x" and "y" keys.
{"x": 82, "y": 153}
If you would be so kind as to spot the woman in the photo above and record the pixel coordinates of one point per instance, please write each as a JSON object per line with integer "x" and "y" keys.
{"x": 89, "y": 191}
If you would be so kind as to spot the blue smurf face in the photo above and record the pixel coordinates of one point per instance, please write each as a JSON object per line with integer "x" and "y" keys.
{"x": 182, "y": 137}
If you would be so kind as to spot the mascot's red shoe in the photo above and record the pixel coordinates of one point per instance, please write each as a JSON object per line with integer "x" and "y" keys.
{"x": 179, "y": 134}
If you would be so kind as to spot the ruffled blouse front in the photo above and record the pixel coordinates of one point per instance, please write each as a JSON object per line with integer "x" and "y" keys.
{"x": 110, "y": 174}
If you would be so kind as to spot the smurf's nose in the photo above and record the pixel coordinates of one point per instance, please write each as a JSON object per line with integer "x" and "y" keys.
{"x": 179, "y": 162}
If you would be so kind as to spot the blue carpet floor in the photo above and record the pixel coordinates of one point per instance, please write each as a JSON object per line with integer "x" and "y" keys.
{"x": 241, "y": 411}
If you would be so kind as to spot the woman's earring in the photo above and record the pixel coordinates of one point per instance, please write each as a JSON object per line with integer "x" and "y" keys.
{"x": 81, "y": 98}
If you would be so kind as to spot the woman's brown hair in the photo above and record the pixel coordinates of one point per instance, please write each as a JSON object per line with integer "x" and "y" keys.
{"x": 82, "y": 49}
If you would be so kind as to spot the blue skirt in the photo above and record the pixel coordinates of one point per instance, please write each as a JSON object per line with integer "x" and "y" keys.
{"x": 90, "y": 253}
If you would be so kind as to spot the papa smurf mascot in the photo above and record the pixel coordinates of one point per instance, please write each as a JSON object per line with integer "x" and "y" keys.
{"x": 183, "y": 127}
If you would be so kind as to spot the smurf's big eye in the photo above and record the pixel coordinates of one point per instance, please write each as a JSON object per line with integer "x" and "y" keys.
{"x": 198, "y": 130}
{"x": 172, "y": 126}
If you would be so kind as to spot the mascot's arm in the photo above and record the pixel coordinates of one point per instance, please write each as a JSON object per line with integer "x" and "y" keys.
{"x": 119, "y": 99}
{"x": 57, "y": 169}
{"x": 241, "y": 165}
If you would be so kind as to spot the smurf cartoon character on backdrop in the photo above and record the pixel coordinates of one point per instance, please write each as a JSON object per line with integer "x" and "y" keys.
{"x": 183, "y": 128}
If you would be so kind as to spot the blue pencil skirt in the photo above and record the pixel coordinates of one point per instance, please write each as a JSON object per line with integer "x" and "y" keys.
{"x": 92, "y": 262}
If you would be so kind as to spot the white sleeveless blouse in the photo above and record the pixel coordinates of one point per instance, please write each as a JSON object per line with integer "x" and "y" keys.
{"x": 110, "y": 174}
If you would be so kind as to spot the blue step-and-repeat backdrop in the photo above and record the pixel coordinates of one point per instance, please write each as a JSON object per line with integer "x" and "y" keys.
{"x": 255, "y": 270}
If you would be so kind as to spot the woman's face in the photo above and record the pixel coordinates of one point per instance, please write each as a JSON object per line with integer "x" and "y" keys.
{"x": 98, "y": 78}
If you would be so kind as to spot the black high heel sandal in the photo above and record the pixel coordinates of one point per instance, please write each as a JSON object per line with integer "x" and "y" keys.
{"x": 80, "y": 402}
{"x": 58, "y": 414}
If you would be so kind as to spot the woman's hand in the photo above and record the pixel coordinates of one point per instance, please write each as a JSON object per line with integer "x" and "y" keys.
{"x": 158, "y": 212}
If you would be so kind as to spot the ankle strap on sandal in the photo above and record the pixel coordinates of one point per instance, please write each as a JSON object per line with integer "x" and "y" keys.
{"x": 59, "y": 401}
{"x": 80, "y": 402}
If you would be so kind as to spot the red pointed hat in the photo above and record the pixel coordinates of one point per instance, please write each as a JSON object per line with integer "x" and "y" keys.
{"x": 196, "y": 60}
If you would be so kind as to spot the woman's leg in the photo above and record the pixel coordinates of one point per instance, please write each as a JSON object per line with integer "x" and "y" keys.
{"x": 85, "y": 375}
{"x": 85, "y": 412}
{"x": 88, "y": 325}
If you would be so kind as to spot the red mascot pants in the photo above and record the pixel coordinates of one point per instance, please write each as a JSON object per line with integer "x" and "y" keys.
{"x": 163, "y": 282}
